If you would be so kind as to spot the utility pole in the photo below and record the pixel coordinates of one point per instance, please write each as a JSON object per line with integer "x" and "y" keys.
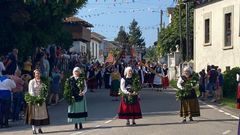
{"x": 161, "y": 19}
{"x": 187, "y": 31}
{"x": 180, "y": 33}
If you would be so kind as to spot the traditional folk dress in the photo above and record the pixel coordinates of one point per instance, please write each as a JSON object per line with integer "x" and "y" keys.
{"x": 128, "y": 109}
{"x": 165, "y": 78}
{"x": 157, "y": 82}
{"x": 37, "y": 115}
{"x": 92, "y": 81}
{"x": 189, "y": 105}
{"x": 77, "y": 111}
{"x": 115, "y": 84}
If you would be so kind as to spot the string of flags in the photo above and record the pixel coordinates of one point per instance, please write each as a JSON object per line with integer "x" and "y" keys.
{"x": 67, "y": 1}
{"x": 118, "y": 26}
{"x": 120, "y": 12}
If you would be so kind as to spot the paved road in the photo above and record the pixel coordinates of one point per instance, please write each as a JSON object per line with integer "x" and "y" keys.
{"x": 160, "y": 117}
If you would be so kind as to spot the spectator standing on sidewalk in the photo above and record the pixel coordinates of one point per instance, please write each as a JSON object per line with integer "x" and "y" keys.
{"x": 220, "y": 81}
{"x": 202, "y": 84}
{"x": 55, "y": 85}
{"x": 11, "y": 64}
{"x": 2, "y": 67}
{"x": 27, "y": 66}
{"x": 6, "y": 85}
{"x": 17, "y": 95}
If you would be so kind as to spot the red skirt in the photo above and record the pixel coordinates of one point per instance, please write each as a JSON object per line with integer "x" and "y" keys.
{"x": 165, "y": 82}
{"x": 129, "y": 111}
{"x": 238, "y": 96}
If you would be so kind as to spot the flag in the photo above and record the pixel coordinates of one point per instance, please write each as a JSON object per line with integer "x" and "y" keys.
{"x": 110, "y": 58}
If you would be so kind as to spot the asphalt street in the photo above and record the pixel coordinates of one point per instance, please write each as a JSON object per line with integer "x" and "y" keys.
{"x": 160, "y": 117}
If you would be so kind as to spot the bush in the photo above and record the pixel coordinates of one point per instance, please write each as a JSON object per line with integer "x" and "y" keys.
{"x": 230, "y": 83}
{"x": 173, "y": 83}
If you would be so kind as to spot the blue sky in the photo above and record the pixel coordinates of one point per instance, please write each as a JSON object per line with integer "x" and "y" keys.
{"x": 108, "y": 15}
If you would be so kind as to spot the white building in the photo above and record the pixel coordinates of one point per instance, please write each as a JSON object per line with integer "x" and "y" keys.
{"x": 95, "y": 47}
{"x": 217, "y": 34}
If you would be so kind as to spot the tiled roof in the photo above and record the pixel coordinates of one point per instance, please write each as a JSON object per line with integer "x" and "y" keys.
{"x": 76, "y": 20}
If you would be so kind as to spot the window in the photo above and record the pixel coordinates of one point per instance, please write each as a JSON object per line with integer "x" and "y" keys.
{"x": 207, "y": 31}
{"x": 92, "y": 49}
{"x": 228, "y": 30}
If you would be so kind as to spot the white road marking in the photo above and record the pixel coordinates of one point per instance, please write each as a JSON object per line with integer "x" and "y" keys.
{"x": 226, "y": 132}
{"x": 214, "y": 107}
{"x": 98, "y": 126}
{"x": 221, "y": 111}
{"x": 76, "y": 133}
{"x": 227, "y": 113}
{"x": 108, "y": 121}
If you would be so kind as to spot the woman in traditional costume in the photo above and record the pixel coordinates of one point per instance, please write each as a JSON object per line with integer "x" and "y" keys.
{"x": 115, "y": 84}
{"x": 92, "y": 80}
{"x": 189, "y": 103}
{"x": 37, "y": 114}
{"x": 77, "y": 108}
{"x": 165, "y": 76}
{"x": 157, "y": 82}
{"x": 129, "y": 105}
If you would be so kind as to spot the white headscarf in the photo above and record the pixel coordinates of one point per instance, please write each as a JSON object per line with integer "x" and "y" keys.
{"x": 76, "y": 69}
{"x": 127, "y": 69}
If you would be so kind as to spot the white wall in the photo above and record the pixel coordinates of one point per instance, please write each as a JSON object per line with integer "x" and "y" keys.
{"x": 78, "y": 47}
{"x": 215, "y": 52}
{"x": 94, "y": 49}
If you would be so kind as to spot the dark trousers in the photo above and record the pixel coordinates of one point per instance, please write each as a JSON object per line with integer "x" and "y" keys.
{"x": 106, "y": 81}
{"x": 17, "y": 105}
{"x": 5, "y": 105}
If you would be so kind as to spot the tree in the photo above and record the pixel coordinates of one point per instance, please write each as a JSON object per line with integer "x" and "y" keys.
{"x": 151, "y": 53}
{"x": 29, "y": 24}
{"x": 122, "y": 36}
{"x": 135, "y": 35}
{"x": 169, "y": 37}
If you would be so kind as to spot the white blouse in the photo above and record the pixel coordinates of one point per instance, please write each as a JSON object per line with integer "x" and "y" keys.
{"x": 122, "y": 86}
{"x": 34, "y": 87}
{"x": 179, "y": 83}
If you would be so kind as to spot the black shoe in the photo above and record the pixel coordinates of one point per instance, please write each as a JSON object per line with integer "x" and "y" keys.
{"x": 76, "y": 127}
{"x": 80, "y": 126}
{"x": 128, "y": 123}
{"x": 190, "y": 118}
{"x": 40, "y": 131}
{"x": 34, "y": 132}
{"x": 184, "y": 121}
{"x": 134, "y": 124}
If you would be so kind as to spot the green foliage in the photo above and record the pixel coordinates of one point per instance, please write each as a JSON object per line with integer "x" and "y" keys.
{"x": 173, "y": 83}
{"x": 230, "y": 83}
{"x": 169, "y": 37}
{"x": 151, "y": 53}
{"x": 188, "y": 86}
{"x": 35, "y": 23}
{"x": 135, "y": 35}
{"x": 136, "y": 87}
{"x": 67, "y": 89}
{"x": 122, "y": 36}
{"x": 37, "y": 100}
